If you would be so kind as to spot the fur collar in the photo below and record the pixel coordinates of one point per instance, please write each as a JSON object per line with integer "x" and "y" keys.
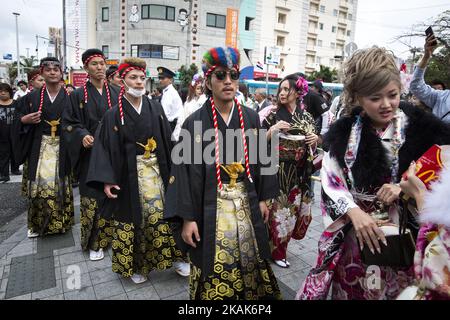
{"x": 437, "y": 201}
{"x": 371, "y": 166}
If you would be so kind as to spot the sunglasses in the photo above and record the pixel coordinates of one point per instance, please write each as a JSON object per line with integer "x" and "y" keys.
{"x": 221, "y": 74}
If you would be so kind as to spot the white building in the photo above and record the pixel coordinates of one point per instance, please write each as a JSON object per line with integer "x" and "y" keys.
{"x": 331, "y": 26}
{"x": 309, "y": 33}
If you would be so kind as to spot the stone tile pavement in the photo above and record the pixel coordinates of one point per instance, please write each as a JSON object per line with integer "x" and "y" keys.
{"x": 55, "y": 261}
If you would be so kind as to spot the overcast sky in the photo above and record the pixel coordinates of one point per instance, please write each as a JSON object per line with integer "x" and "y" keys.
{"x": 378, "y": 22}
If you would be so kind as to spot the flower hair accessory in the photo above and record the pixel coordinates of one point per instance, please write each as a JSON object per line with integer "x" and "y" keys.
{"x": 196, "y": 79}
{"x": 302, "y": 87}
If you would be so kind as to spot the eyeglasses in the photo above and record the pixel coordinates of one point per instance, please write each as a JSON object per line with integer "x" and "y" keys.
{"x": 221, "y": 74}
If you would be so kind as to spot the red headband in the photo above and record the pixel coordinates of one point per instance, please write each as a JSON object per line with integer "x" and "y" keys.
{"x": 92, "y": 57}
{"x": 125, "y": 68}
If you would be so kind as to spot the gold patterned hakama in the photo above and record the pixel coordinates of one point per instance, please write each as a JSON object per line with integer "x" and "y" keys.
{"x": 48, "y": 212}
{"x": 239, "y": 272}
{"x": 149, "y": 246}
{"x": 96, "y": 232}
{"x": 25, "y": 179}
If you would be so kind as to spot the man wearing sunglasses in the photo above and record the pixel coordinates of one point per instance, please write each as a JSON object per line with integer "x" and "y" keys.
{"x": 219, "y": 208}
{"x": 170, "y": 100}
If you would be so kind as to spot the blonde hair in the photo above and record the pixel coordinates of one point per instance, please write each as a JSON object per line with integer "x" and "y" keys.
{"x": 367, "y": 72}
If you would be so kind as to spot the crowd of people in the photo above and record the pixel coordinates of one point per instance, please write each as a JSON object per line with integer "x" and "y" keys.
{"x": 164, "y": 184}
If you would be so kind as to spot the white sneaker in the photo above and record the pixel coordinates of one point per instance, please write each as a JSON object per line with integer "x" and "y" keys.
{"x": 96, "y": 255}
{"x": 32, "y": 234}
{"x": 182, "y": 268}
{"x": 281, "y": 263}
{"x": 137, "y": 278}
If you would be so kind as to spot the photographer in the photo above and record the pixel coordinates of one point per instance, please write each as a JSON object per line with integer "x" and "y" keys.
{"x": 437, "y": 100}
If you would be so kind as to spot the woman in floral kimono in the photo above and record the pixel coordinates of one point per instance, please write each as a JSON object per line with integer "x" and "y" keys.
{"x": 432, "y": 258}
{"x": 290, "y": 213}
{"x": 368, "y": 150}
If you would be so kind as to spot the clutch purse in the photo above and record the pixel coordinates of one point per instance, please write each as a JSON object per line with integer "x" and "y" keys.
{"x": 399, "y": 251}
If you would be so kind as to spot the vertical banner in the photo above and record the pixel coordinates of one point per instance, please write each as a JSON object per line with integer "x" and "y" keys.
{"x": 76, "y": 16}
{"x": 232, "y": 28}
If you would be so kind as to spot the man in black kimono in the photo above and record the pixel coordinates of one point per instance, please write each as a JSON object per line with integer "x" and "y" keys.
{"x": 37, "y": 140}
{"x": 130, "y": 162}
{"x": 221, "y": 206}
{"x": 80, "y": 121}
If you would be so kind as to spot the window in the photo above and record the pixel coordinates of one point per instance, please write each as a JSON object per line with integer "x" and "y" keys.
{"x": 349, "y": 33}
{"x": 322, "y": 9}
{"x": 155, "y": 51}
{"x": 350, "y": 16}
{"x": 319, "y": 43}
{"x": 215, "y": 20}
{"x": 105, "y": 14}
{"x": 158, "y": 12}
{"x": 318, "y": 60}
{"x": 335, "y": 12}
{"x": 282, "y": 18}
{"x": 332, "y": 45}
{"x": 248, "y": 23}
{"x": 281, "y": 65}
{"x": 321, "y": 26}
{"x": 280, "y": 41}
{"x": 105, "y": 50}
{"x": 333, "y": 29}
{"x": 134, "y": 50}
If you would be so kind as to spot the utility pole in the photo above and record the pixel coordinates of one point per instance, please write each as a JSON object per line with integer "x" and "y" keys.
{"x": 64, "y": 37}
{"x": 189, "y": 21}
{"x": 19, "y": 74}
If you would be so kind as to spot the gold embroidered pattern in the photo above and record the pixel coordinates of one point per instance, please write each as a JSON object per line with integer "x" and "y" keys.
{"x": 141, "y": 249}
{"x": 239, "y": 272}
{"x": 96, "y": 232}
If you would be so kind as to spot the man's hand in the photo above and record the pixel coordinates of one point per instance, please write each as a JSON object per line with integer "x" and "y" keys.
{"x": 430, "y": 45}
{"x": 32, "y": 118}
{"x": 190, "y": 229}
{"x": 388, "y": 193}
{"x": 88, "y": 142}
{"x": 428, "y": 51}
{"x": 107, "y": 189}
{"x": 264, "y": 211}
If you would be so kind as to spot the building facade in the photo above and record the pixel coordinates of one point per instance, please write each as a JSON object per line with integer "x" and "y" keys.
{"x": 331, "y": 26}
{"x": 309, "y": 33}
{"x": 173, "y": 33}
{"x": 168, "y": 33}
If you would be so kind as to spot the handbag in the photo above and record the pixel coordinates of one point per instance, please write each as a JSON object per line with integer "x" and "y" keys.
{"x": 399, "y": 251}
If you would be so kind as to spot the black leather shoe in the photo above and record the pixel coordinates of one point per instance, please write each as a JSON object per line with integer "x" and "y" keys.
{"x": 16, "y": 172}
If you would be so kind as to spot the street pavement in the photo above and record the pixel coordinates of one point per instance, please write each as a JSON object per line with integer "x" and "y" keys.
{"x": 47, "y": 268}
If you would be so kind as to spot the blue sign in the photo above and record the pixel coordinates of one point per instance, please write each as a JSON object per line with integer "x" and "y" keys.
{"x": 7, "y": 56}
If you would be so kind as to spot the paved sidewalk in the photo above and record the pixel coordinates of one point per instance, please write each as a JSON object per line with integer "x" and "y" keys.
{"x": 44, "y": 268}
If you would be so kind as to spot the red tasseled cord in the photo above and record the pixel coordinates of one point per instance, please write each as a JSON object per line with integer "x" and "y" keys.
{"x": 244, "y": 142}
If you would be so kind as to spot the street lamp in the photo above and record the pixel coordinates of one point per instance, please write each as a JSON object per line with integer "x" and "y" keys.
{"x": 19, "y": 75}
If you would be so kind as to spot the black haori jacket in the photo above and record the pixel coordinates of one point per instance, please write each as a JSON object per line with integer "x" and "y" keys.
{"x": 372, "y": 165}
{"x": 192, "y": 193}
{"x": 113, "y": 158}
{"x": 27, "y": 138}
